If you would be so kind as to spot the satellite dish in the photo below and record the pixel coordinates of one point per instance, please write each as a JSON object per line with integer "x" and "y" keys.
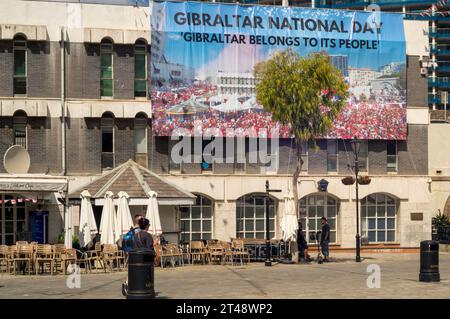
{"x": 16, "y": 160}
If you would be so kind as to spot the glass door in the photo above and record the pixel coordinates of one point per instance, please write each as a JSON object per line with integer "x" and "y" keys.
{"x": 12, "y": 220}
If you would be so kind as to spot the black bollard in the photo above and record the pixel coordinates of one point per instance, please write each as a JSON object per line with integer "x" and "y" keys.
{"x": 141, "y": 274}
{"x": 429, "y": 261}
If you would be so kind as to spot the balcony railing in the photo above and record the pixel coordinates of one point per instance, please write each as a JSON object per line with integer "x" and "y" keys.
{"x": 439, "y": 115}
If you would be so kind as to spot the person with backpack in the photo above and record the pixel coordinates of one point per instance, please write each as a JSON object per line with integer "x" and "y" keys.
{"x": 128, "y": 244}
{"x": 128, "y": 238}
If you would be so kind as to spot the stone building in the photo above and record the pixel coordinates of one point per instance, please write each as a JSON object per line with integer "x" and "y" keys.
{"x": 74, "y": 91}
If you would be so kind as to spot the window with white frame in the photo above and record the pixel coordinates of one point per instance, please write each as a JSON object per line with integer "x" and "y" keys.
{"x": 196, "y": 220}
{"x": 20, "y": 129}
{"x": 140, "y": 69}
{"x": 251, "y": 216}
{"x": 20, "y": 66}
{"x": 363, "y": 156}
{"x": 107, "y": 126}
{"x": 391, "y": 150}
{"x": 378, "y": 218}
{"x": 140, "y": 140}
{"x": 313, "y": 208}
{"x": 106, "y": 68}
{"x": 332, "y": 155}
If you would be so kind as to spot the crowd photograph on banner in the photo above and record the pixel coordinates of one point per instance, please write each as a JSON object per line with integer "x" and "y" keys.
{"x": 203, "y": 66}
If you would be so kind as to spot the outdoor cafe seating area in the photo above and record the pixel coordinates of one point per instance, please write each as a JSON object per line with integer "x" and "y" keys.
{"x": 29, "y": 258}
{"x": 33, "y": 258}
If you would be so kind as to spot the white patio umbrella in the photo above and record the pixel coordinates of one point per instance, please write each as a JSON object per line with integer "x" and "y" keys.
{"x": 88, "y": 226}
{"x": 108, "y": 226}
{"x": 124, "y": 220}
{"x": 153, "y": 214}
{"x": 289, "y": 221}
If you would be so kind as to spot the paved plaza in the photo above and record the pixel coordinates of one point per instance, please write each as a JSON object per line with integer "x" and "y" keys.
{"x": 342, "y": 278}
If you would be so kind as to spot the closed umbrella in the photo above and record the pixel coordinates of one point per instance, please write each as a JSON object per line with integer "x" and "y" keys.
{"x": 289, "y": 222}
{"x": 153, "y": 214}
{"x": 88, "y": 226}
{"x": 108, "y": 225}
{"x": 124, "y": 221}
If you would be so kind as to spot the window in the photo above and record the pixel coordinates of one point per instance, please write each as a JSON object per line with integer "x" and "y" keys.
{"x": 13, "y": 220}
{"x": 313, "y": 208}
{"x": 378, "y": 214}
{"x": 107, "y": 124}
{"x": 140, "y": 69}
{"x": 332, "y": 155}
{"x": 106, "y": 76}
{"x": 20, "y": 129}
{"x": 196, "y": 220}
{"x": 363, "y": 156}
{"x": 140, "y": 140}
{"x": 176, "y": 73}
{"x": 391, "y": 156}
{"x": 251, "y": 216}
{"x": 20, "y": 66}
{"x": 305, "y": 149}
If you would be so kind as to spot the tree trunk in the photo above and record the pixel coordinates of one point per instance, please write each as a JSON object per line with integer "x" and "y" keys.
{"x": 298, "y": 168}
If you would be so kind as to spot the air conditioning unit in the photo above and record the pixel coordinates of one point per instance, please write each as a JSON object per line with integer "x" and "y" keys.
{"x": 423, "y": 71}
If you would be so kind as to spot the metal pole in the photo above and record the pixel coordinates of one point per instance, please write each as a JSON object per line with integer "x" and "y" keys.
{"x": 358, "y": 239}
{"x": 268, "y": 250}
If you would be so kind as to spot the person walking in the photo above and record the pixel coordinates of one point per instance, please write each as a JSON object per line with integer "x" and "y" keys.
{"x": 325, "y": 239}
{"x": 302, "y": 244}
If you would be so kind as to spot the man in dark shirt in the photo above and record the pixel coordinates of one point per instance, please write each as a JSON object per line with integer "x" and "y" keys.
{"x": 142, "y": 239}
{"x": 325, "y": 238}
{"x": 302, "y": 244}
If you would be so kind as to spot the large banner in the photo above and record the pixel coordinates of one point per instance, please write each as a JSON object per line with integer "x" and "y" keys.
{"x": 203, "y": 56}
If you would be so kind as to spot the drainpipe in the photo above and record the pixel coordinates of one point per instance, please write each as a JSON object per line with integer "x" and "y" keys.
{"x": 67, "y": 218}
{"x": 63, "y": 103}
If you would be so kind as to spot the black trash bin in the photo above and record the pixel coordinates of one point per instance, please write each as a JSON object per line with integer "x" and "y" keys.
{"x": 141, "y": 274}
{"x": 429, "y": 261}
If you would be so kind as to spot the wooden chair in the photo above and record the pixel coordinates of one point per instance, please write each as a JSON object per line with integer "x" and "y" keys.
{"x": 95, "y": 256}
{"x": 5, "y": 258}
{"x": 198, "y": 252}
{"x": 175, "y": 255}
{"x": 216, "y": 253}
{"x": 66, "y": 258}
{"x": 240, "y": 252}
{"x": 228, "y": 253}
{"x": 60, "y": 250}
{"x": 45, "y": 254}
{"x": 120, "y": 256}
{"x": 110, "y": 256}
{"x": 22, "y": 255}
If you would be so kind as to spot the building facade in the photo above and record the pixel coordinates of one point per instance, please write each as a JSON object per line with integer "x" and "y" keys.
{"x": 74, "y": 91}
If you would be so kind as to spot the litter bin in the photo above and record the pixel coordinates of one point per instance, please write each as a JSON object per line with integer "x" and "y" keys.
{"x": 141, "y": 274}
{"x": 429, "y": 261}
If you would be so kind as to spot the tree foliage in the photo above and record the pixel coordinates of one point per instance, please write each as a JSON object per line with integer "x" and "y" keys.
{"x": 307, "y": 93}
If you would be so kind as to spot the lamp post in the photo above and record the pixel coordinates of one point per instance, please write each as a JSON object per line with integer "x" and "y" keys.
{"x": 268, "y": 262}
{"x": 356, "y": 145}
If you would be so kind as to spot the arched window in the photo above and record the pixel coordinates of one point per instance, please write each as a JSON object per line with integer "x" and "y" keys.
{"x": 107, "y": 127}
{"x": 140, "y": 69}
{"x": 196, "y": 220}
{"x": 20, "y": 66}
{"x": 251, "y": 216}
{"x": 20, "y": 128}
{"x": 313, "y": 208}
{"x": 106, "y": 68}
{"x": 140, "y": 139}
{"x": 378, "y": 214}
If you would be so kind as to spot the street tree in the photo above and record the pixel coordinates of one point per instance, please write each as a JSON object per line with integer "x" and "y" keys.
{"x": 306, "y": 93}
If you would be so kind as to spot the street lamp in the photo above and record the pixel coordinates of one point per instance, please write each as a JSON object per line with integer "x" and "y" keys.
{"x": 355, "y": 146}
{"x": 268, "y": 262}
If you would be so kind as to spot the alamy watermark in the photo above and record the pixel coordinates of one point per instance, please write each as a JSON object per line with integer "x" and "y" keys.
{"x": 374, "y": 279}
